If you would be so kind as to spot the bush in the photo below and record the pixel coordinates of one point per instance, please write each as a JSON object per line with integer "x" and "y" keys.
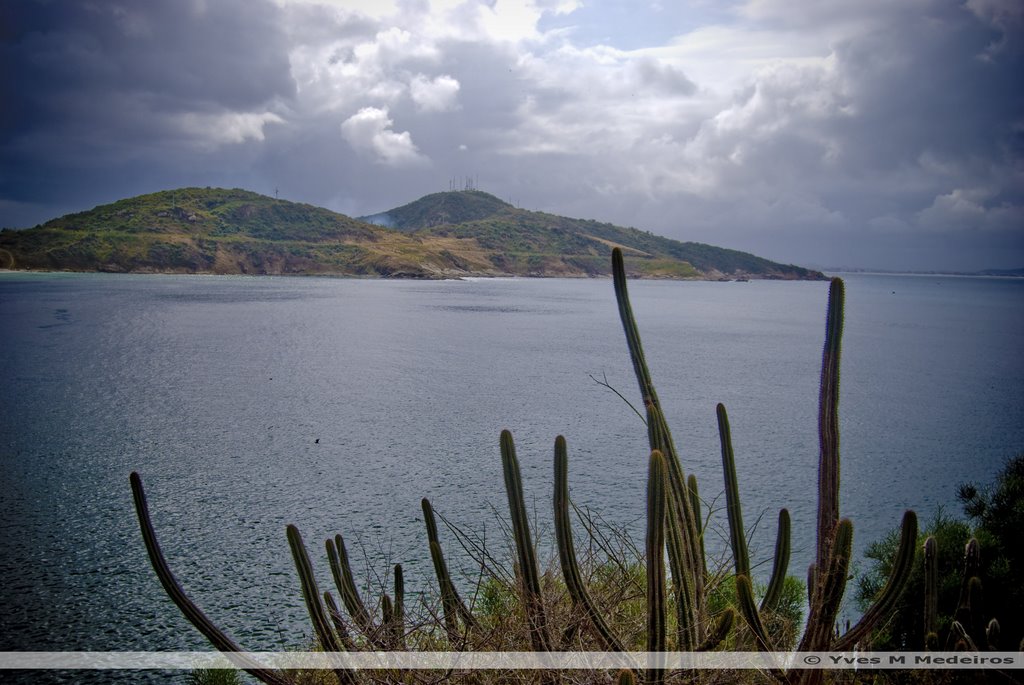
{"x": 995, "y": 517}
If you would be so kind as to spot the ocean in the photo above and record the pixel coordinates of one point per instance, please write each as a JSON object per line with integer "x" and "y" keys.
{"x": 247, "y": 403}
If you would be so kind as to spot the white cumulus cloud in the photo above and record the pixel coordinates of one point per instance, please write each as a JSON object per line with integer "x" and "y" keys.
{"x": 434, "y": 95}
{"x": 227, "y": 127}
{"x": 369, "y": 131}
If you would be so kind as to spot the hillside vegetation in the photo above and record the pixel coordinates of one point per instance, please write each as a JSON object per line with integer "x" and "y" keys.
{"x": 444, "y": 235}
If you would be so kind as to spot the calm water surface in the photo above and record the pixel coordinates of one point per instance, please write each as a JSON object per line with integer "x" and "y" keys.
{"x": 248, "y": 403}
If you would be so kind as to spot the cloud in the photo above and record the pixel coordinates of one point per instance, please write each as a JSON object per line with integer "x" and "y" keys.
{"x": 369, "y": 131}
{"x": 802, "y": 135}
{"x": 434, "y": 95}
{"x": 228, "y": 127}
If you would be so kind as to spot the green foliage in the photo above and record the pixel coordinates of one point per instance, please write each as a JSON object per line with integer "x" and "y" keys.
{"x": 903, "y": 629}
{"x": 997, "y": 514}
{"x": 782, "y": 624}
{"x": 213, "y": 676}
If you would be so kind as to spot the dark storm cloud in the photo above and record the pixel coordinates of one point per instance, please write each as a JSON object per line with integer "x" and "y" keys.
{"x": 873, "y": 134}
{"x": 109, "y": 86}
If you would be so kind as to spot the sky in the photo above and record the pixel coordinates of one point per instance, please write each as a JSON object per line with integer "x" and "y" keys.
{"x": 874, "y": 134}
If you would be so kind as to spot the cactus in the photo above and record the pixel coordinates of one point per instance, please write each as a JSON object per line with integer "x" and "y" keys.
{"x": 567, "y": 552}
{"x": 691, "y": 486}
{"x": 969, "y": 628}
{"x": 886, "y": 601}
{"x": 992, "y": 635}
{"x": 657, "y": 473}
{"x": 337, "y": 556}
{"x": 339, "y": 622}
{"x": 684, "y": 531}
{"x": 828, "y": 426}
{"x": 451, "y": 603}
{"x": 398, "y": 613}
{"x": 737, "y": 539}
{"x": 674, "y": 529}
{"x": 780, "y": 565}
{"x": 748, "y": 607}
{"x": 217, "y": 637}
{"x": 720, "y": 631}
{"x": 311, "y": 595}
{"x": 931, "y": 593}
{"x": 533, "y": 601}
{"x": 828, "y": 592}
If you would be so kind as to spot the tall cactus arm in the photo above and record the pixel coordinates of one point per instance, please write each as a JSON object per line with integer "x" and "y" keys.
{"x": 339, "y": 622}
{"x": 448, "y": 601}
{"x": 656, "y": 611}
{"x": 311, "y": 595}
{"x": 972, "y": 570}
{"x": 828, "y": 426}
{"x": 399, "y": 609}
{"x": 883, "y": 606}
{"x": 992, "y": 635}
{"x": 931, "y": 590}
{"x": 681, "y": 514}
{"x": 567, "y": 552}
{"x": 828, "y": 593}
{"x": 636, "y": 352}
{"x": 695, "y": 506}
{"x": 451, "y": 603}
{"x": 341, "y": 571}
{"x": 533, "y": 601}
{"x": 217, "y": 637}
{"x": 748, "y": 607}
{"x": 780, "y": 565}
{"x": 682, "y": 534}
{"x": 721, "y": 630}
{"x": 737, "y": 539}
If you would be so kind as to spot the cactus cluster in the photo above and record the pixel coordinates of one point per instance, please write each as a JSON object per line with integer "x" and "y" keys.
{"x": 674, "y": 534}
{"x": 969, "y": 630}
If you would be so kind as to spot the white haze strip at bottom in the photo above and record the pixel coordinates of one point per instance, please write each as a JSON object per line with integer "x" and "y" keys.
{"x": 464, "y": 661}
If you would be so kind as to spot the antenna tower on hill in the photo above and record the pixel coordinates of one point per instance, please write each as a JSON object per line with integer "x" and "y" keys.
{"x": 464, "y": 183}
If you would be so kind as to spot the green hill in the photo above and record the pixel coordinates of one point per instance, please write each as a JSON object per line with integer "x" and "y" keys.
{"x": 212, "y": 230}
{"x": 439, "y": 209}
{"x": 524, "y": 241}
